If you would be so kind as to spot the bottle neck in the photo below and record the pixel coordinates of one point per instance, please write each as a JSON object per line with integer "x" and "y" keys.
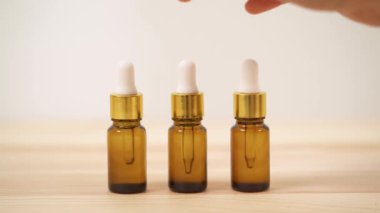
{"x": 252, "y": 121}
{"x": 187, "y": 122}
{"x": 126, "y": 123}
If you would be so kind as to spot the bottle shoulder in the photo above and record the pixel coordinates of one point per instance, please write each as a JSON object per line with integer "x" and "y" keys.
{"x": 266, "y": 127}
{"x": 199, "y": 127}
{"x": 121, "y": 128}
{"x": 111, "y": 128}
{"x": 245, "y": 126}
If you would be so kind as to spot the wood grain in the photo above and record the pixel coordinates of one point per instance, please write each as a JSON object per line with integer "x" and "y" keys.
{"x": 59, "y": 177}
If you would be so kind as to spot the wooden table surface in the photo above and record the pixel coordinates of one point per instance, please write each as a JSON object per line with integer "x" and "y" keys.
{"x": 62, "y": 168}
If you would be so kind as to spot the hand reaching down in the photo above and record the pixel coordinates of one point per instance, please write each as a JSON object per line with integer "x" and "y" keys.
{"x": 363, "y": 11}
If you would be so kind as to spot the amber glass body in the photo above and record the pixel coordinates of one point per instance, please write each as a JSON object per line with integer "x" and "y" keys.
{"x": 187, "y": 156}
{"x": 250, "y": 155}
{"x": 126, "y": 157}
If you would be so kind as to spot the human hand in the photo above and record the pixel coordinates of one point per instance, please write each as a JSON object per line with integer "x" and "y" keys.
{"x": 364, "y": 11}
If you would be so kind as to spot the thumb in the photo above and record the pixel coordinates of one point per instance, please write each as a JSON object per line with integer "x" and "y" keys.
{"x": 259, "y": 6}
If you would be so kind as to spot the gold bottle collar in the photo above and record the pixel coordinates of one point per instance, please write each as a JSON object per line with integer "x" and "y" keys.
{"x": 187, "y": 106}
{"x": 250, "y": 105}
{"x": 126, "y": 107}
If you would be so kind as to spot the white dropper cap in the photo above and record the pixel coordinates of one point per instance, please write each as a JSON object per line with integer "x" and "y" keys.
{"x": 186, "y": 78}
{"x": 126, "y": 81}
{"x": 249, "y": 79}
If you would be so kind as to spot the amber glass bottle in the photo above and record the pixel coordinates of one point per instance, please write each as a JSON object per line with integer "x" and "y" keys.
{"x": 250, "y": 136}
{"x": 250, "y": 155}
{"x": 126, "y": 137}
{"x": 187, "y": 145}
{"x": 126, "y": 157}
{"x": 187, "y": 137}
{"x": 187, "y": 156}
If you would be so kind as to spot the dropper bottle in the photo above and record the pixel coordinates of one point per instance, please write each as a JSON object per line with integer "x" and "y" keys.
{"x": 187, "y": 136}
{"x": 250, "y": 136}
{"x": 126, "y": 136}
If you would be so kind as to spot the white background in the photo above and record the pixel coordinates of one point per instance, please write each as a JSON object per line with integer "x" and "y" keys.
{"x": 58, "y": 58}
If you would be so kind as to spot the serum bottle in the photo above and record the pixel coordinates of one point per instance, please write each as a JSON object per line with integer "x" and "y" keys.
{"x": 250, "y": 136}
{"x": 187, "y": 136}
{"x": 126, "y": 137}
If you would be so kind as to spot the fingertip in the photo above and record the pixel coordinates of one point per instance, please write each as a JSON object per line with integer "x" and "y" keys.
{"x": 250, "y": 7}
{"x": 259, "y": 6}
